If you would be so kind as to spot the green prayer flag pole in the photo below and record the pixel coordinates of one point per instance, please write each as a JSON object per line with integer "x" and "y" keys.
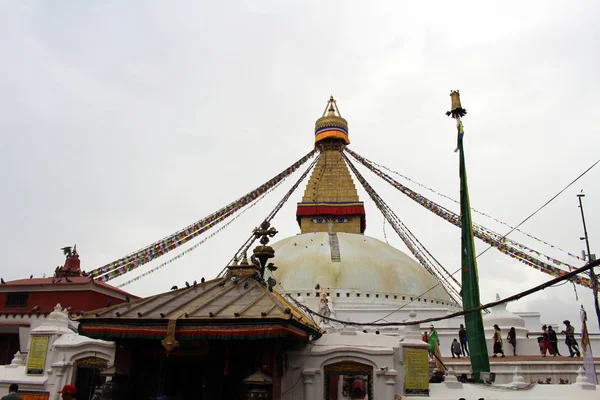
{"x": 480, "y": 361}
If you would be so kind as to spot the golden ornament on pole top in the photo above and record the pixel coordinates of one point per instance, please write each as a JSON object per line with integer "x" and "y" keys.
{"x": 456, "y": 111}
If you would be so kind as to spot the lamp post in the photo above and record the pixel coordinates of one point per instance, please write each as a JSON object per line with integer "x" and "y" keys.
{"x": 593, "y": 277}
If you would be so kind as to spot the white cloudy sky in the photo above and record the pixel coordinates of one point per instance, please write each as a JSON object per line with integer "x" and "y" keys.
{"x": 122, "y": 123}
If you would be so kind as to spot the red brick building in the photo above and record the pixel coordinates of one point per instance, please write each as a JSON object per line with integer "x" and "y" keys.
{"x": 24, "y": 303}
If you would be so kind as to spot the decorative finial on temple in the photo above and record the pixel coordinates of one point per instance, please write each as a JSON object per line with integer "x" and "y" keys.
{"x": 456, "y": 111}
{"x": 331, "y": 127}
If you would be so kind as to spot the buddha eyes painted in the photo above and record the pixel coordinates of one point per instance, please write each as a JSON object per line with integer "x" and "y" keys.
{"x": 337, "y": 220}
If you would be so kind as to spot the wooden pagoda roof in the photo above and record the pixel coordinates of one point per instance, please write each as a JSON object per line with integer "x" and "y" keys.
{"x": 223, "y": 308}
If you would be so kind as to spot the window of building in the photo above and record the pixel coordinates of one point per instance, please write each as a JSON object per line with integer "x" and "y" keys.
{"x": 16, "y": 300}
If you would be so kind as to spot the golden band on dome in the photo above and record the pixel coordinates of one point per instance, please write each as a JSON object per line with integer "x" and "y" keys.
{"x": 332, "y": 134}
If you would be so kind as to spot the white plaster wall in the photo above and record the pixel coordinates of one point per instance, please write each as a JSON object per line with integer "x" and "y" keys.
{"x": 304, "y": 378}
{"x": 65, "y": 347}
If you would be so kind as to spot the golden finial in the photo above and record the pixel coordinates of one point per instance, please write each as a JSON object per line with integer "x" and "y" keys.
{"x": 456, "y": 111}
{"x": 331, "y": 125}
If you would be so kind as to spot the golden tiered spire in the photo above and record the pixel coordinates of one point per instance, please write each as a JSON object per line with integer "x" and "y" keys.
{"x": 330, "y": 202}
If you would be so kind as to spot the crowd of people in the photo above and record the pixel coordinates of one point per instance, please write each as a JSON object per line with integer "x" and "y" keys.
{"x": 548, "y": 342}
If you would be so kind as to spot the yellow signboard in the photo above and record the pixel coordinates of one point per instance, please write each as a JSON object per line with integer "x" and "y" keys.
{"x": 37, "y": 355}
{"x": 416, "y": 371}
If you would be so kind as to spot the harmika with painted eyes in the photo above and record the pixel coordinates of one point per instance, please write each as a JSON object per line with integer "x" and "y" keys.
{"x": 324, "y": 220}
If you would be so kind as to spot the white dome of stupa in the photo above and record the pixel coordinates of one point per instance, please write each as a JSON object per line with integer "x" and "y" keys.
{"x": 353, "y": 266}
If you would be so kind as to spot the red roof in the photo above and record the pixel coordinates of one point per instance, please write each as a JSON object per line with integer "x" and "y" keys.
{"x": 57, "y": 285}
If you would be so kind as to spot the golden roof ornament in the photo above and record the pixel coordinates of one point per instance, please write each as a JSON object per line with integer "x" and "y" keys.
{"x": 456, "y": 111}
{"x": 262, "y": 253}
{"x": 331, "y": 125}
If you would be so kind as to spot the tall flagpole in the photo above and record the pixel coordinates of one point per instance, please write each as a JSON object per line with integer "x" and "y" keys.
{"x": 480, "y": 361}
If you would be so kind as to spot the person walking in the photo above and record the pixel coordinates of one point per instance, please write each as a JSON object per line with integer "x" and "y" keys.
{"x": 545, "y": 345}
{"x": 434, "y": 341}
{"x": 553, "y": 340}
{"x": 498, "y": 342}
{"x": 462, "y": 337}
{"x": 512, "y": 339}
{"x": 434, "y": 347}
{"x": 570, "y": 339}
{"x": 12, "y": 393}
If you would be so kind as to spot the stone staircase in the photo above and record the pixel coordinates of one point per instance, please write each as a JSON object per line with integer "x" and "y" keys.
{"x": 334, "y": 246}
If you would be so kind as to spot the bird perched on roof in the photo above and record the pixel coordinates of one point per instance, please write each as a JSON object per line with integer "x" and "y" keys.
{"x": 174, "y": 287}
{"x": 31, "y": 276}
{"x": 109, "y": 303}
{"x": 67, "y": 279}
{"x": 127, "y": 299}
{"x": 246, "y": 285}
{"x": 187, "y": 284}
{"x": 2, "y": 280}
{"x": 317, "y": 287}
{"x": 222, "y": 283}
{"x": 35, "y": 308}
{"x": 271, "y": 283}
{"x": 202, "y": 280}
{"x": 195, "y": 283}
{"x": 67, "y": 251}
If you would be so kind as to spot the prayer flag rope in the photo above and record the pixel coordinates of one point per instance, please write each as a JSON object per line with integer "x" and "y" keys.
{"x": 187, "y": 251}
{"x": 163, "y": 246}
{"x": 501, "y": 243}
{"x": 474, "y": 210}
{"x": 411, "y": 242}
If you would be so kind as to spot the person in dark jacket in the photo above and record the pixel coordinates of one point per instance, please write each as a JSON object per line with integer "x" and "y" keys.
{"x": 462, "y": 337}
{"x": 553, "y": 340}
{"x": 512, "y": 339}
{"x": 12, "y": 393}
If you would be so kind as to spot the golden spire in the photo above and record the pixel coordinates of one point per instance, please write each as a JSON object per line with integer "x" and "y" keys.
{"x": 330, "y": 202}
{"x": 331, "y": 125}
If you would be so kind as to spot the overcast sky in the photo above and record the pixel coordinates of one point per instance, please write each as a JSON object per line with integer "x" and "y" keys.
{"x": 123, "y": 123}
